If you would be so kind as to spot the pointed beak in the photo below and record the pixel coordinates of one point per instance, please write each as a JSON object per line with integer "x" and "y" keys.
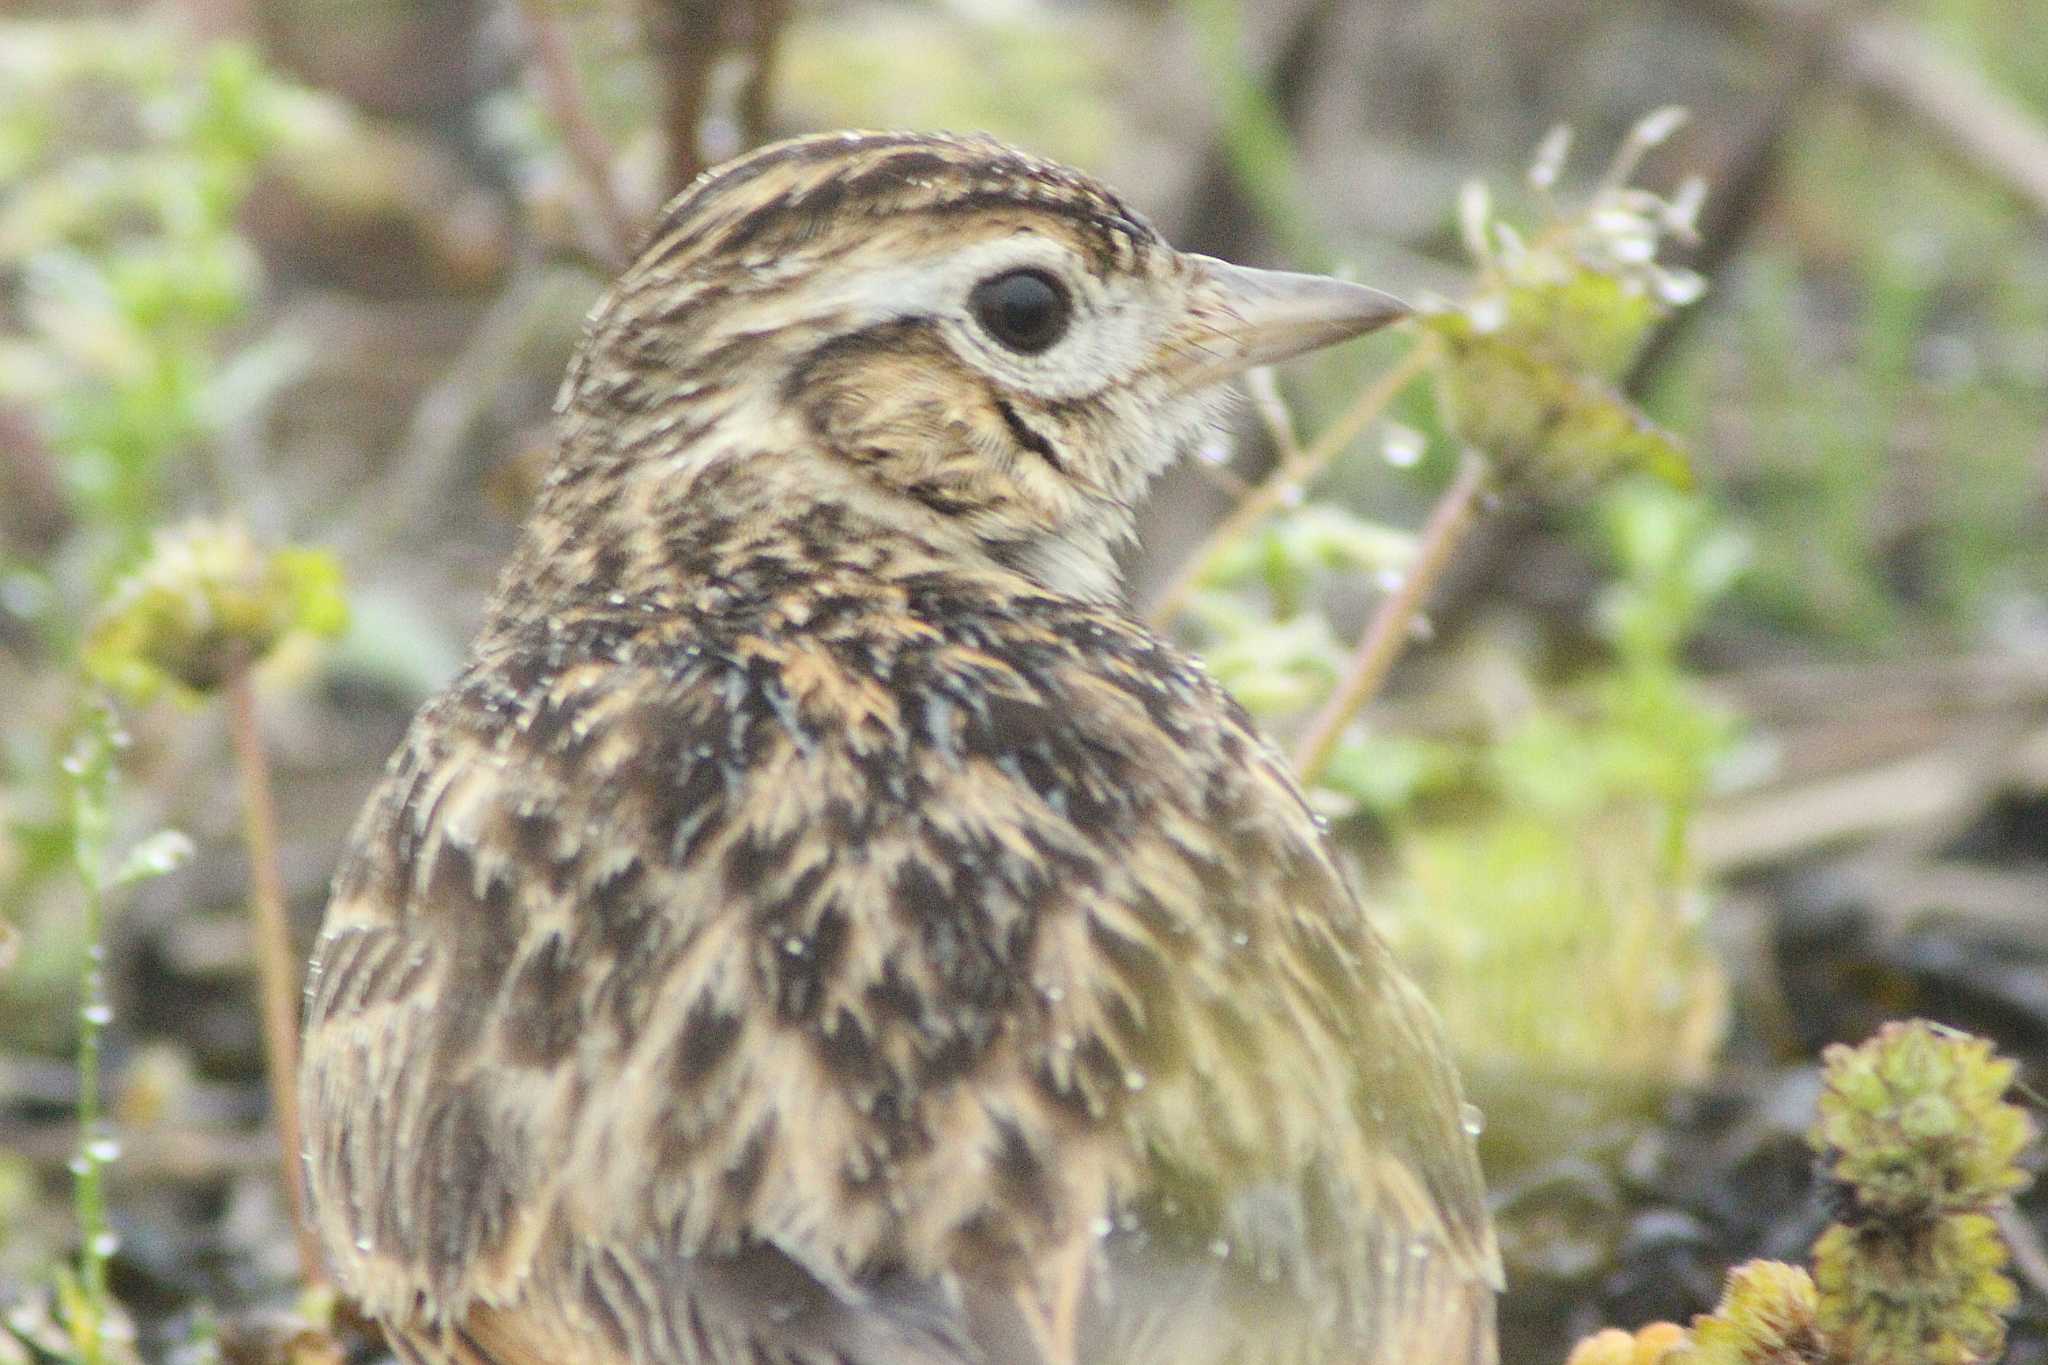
{"x": 1242, "y": 317}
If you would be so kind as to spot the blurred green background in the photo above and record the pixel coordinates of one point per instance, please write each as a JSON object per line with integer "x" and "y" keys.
{"x": 1669, "y": 790}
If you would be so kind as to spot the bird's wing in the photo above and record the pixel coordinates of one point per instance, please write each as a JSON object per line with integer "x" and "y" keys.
{"x": 1313, "y": 1195}
{"x": 544, "y": 1332}
{"x": 607, "y": 1034}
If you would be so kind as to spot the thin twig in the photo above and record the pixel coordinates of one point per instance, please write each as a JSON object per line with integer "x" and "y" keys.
{"x": 589, "y": 153}
{"x": 1449, "y": 521}
{"x": 684, "y": 37}
{"x": 276, "y": 968}
{"x": 1273, "y": 411}
{"x": 2024, "y": 1243}
{"x": 1997, "y": 134}
{"x": 1899, "y": 62}
{"x": 755, "y": 108}
{"x": 1293, "y": 473}
{"x": 693, "y": 44}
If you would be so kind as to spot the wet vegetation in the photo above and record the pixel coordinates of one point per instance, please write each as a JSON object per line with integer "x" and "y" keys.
{"x": 1661, "y": 618}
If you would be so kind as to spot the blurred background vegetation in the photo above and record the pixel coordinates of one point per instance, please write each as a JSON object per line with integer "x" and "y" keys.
{"x": 1671, "y": 787}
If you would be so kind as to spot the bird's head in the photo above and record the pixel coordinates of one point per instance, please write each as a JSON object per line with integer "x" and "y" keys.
{"x": 985, "y": 347}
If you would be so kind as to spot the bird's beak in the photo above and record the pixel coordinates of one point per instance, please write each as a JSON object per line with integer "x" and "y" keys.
{"x": 1242, "y": 317}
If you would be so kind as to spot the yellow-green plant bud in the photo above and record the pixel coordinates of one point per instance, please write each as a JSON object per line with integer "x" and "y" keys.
{"x": 1531, "y": 358}
{"x": 206, "y": 601}
{"x": 1915, "y": 1125}
{"x": 1769, "y": 1314}
{"x": 1657, "y": 1344}
{"x": 1921, "y": 1294}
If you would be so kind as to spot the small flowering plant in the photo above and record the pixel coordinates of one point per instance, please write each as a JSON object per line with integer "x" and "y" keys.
{"x": 1527, "y": 366}
{"x": 1532, "y": 835}
{"x": 1533, "y": 355}
{"x": 1922, "y": 1151}
{"x": 207, "y": 601}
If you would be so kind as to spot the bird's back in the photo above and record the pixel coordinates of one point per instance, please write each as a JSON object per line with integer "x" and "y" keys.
{"x": 822, "y": 961}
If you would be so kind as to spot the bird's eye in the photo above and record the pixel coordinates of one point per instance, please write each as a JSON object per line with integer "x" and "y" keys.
{"x": 1025, "y": 310}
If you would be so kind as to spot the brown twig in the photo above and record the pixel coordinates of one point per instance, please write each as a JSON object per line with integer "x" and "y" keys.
{"x": 276, "y": 967}
{"x": 755, "y": 111}
{"x": 684, "y": 38}
{"x": 1291, "y": 473}
{"x": 1449, "y": 521}
{"x": 688, "y": 39}
{"x": 562, "y": 90}
{"x": 1896, "y": 61}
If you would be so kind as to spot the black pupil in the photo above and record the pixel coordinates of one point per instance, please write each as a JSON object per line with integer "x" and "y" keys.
{"x": 1026, "y": 310}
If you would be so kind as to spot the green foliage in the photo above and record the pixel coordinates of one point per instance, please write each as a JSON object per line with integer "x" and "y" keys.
{"x": 1534, "y": 352}
{"x": 1289, "y": 555}
{"x": 125, "y": 241}
{"x": 1559, "y": 873}
{"x": 41, "y": 1329}
{"x": 1545, "y": 426}
{"x": 85, "y": 1308}
{"x": 1915, "y": 1128}
{"x": 1926, "y": 1293}
{"x": 1916, "y": 1125}
{"x": 1543, "y": 885}
{"x": 126, "y": 156}
{"x": 1555, "y": 947}
{"x": 1272, "y": 647}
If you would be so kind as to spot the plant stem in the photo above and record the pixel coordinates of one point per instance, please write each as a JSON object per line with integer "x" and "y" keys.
{"x": 276, "y": 968}
{"x": 91, "y": 767}
{"x": 562, "y": 90}
{"x": 1256, "y": 140}
{"x": 1449, "y": 521}
{"x": 1291, "y": 473}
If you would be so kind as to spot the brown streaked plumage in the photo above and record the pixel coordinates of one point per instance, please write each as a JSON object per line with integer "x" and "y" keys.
{"x": 820, "y": 925}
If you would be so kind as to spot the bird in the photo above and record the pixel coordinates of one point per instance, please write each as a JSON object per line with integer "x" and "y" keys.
{"x": 820, "y": 923}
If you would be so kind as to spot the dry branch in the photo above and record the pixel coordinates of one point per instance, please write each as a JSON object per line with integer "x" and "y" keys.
{"x": 689, "y": 41}
{"x": 277, "y": 964}
{"x": 1899, "y": 63}
{"x": 1449, "y": 523}
{"x": 562, "y": 89}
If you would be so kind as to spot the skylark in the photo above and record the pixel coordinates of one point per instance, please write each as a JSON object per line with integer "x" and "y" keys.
{"x": 820, "y": 925}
